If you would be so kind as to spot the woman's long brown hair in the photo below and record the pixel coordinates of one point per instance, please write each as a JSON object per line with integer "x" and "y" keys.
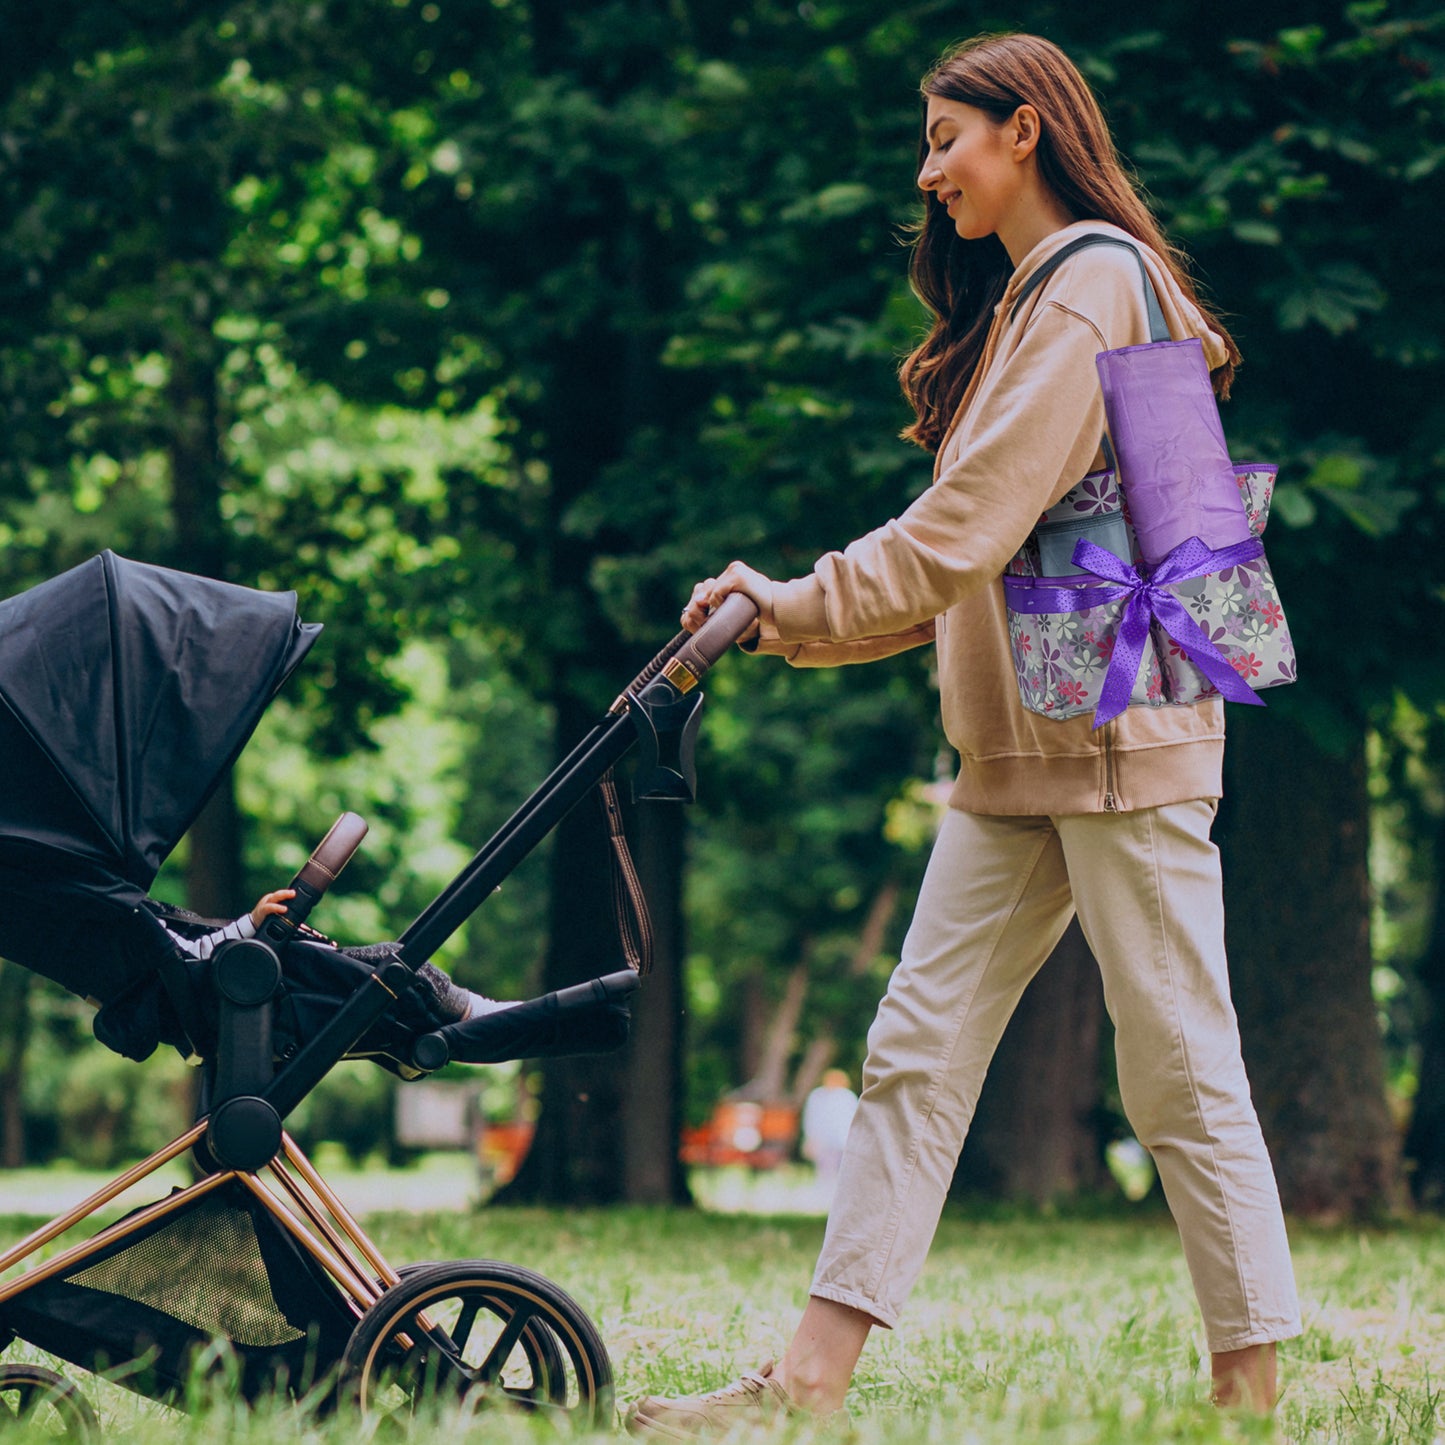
{"x": 962, "y": 281}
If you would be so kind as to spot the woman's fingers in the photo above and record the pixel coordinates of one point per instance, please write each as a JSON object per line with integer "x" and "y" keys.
{"x": 699, "y": 604}
{"x": 709, "y": 592}
{"x": 735, "y": 577}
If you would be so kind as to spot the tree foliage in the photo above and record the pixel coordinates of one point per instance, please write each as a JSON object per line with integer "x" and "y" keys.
{"x": 500, "y": 325}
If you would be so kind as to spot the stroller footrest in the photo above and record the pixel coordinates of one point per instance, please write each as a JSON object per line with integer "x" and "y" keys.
{"x": 587, "y": 1018}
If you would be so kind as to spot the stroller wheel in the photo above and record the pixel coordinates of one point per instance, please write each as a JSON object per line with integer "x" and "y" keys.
{"x": 479, "y": 1333}
{"x": 44, "y": 1403}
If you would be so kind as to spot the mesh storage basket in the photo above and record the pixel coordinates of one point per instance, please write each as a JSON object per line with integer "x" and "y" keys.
{"x": 219, "y": 1268}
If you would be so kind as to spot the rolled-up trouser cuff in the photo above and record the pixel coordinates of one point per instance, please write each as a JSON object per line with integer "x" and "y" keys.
{"x": 1261, "y": 1334}
{"x": 880, "y": 1316}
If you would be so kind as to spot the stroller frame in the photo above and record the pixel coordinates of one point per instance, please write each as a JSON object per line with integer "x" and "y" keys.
{"x": 408, "y": 1333}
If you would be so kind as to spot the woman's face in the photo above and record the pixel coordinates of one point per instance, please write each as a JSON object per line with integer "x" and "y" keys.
{"x": 971, "y": 167}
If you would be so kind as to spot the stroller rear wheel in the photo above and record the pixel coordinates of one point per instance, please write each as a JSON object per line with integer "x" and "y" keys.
{"x": 480, "y": 1333}
{"x": 541, "y": 1357}
{"x": 41, "y": 1402}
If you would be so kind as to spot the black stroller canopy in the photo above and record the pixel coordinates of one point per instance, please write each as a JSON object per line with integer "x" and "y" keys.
{"x": 126, "y": 690}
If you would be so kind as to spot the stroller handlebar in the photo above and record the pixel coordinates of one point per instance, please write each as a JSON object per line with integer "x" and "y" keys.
{"x": 686, "y": 659}
{"x": 669, "y": 678}
{"x": 316, "y": 875}
{"x": 333, "y": 852}
{"x": 734, "y": 615}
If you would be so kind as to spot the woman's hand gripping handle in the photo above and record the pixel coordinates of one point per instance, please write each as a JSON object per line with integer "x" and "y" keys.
{"x": 689, "y": 655}
{"x": 732, "y": 620}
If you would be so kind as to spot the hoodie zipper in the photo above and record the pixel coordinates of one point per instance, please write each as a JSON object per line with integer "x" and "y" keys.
{"x": 1110, "y": 803}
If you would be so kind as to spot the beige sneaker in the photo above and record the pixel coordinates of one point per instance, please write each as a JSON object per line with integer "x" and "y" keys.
{"x": 754, "y": 1398}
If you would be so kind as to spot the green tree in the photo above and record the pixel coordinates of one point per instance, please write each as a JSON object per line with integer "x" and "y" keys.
{"x": 603, "y": 198}
{"x": 133, "y": 275}
{"x": 668, "y": 237}
{"x": 1307, "y": 206}
{"x": 163, "y": 207}
{"x": 647, "y": 254}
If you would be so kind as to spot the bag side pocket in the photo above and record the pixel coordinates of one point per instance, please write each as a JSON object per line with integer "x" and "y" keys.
{"x": 1057, "y": 541}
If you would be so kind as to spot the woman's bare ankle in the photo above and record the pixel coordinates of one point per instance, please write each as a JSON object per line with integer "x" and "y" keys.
{"x": 816, "y": 1394}
{"x": 1245, "y": 1379}
{"x": 817, "y": 1367}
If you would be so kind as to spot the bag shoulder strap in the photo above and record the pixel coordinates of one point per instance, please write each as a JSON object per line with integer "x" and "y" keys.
{"x": 1158, "y": 326}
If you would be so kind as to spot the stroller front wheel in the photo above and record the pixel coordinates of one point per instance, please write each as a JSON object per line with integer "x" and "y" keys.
{"x": 479, "y": 1333}
{"x": 42, "y": 1402}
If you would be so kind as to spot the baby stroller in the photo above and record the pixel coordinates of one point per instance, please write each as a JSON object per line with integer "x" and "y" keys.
{"x": 126, "y": 690}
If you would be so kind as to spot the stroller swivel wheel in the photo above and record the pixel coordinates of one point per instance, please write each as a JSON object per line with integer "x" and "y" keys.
{"x": 479, "y": 1333}
{"x": 43, "y": 1403}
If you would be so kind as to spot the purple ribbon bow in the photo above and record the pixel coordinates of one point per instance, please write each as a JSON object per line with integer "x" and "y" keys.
{"x": 1149, "y": 602}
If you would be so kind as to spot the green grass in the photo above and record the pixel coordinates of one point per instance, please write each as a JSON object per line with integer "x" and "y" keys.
{"x": 1075, "y": 1331}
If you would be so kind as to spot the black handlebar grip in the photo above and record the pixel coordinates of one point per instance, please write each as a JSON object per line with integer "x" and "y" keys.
{"x": 734, "y": 615}
{"x": 430, "y": 1052}
{"x": 600, "y": 990}
{"x": 316, "y": 875}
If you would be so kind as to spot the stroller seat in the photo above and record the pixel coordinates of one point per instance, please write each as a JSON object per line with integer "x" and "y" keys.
{"x": 104, "y": 940}
{"x": 428, "y": 1025}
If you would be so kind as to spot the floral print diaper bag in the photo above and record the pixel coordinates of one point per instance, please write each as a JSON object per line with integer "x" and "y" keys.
{"x": 1063, "y": 650}
{"x": 1146, "y": 584}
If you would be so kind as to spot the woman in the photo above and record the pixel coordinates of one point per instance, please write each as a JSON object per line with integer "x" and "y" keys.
{"x": 1046, "y": 817}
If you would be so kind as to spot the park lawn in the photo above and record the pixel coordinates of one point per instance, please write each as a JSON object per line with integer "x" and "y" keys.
{"x": 1022, "y": 1328}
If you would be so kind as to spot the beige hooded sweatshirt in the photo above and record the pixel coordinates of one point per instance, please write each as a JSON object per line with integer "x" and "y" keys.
{"x": 1028, "y": 429}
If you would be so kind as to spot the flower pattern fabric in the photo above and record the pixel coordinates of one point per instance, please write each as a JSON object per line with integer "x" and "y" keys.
{"x": 1062, "y": 657}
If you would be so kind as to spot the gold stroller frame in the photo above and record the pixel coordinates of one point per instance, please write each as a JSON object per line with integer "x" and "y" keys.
{"x": 415, "y": 1329}
{"x": 343, "y": 1250}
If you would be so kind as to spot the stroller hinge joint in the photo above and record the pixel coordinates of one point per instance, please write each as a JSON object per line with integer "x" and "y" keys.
{"x": 395, "y": 977}
{"x": 244, "y": 1133}
{"x": 666, "y": 720}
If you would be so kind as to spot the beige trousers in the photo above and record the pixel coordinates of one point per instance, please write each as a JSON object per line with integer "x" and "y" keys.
{"x": 997, "y": 896}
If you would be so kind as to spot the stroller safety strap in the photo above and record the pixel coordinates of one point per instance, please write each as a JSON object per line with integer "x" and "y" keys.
{"x": 629, "y": 903}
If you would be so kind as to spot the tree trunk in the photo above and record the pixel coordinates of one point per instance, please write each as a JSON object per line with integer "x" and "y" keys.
{"x": 816, "y": 1058}
{"x": 197, "y": 463}
{"x": 591, "y": 1103}
{"x": 15, "y": 1025}
{"x": 875, "y": 927}
{"x": 769, "y": 1080}
{"x": 753, "y": 1024}
{"x": 574, "y": 1153}
{"x": 1294, "y": 831}
{"x": 1035, "y": 1134}
{"x": 215, "y": 874}
{"x": 1425, "y": 1142}
{"x": 215, "y": 877}
{"x": 652, "y": 1116}
{"x": 603, "y": 381}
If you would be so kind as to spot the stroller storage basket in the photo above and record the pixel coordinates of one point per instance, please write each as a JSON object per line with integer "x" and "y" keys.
{"x": 219, "y": 1267}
